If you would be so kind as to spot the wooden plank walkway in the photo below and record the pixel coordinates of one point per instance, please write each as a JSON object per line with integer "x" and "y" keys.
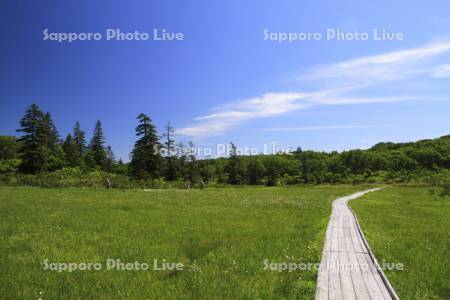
{"x": 348, "y": 267}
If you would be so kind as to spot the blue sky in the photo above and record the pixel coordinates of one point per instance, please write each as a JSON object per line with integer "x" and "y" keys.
{"x": 224, "y": 82}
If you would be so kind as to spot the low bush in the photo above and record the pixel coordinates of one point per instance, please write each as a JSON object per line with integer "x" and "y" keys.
{"x": 75, "y": 177}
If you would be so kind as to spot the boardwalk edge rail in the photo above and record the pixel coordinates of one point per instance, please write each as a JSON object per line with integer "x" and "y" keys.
{"x": 374, "y": 260}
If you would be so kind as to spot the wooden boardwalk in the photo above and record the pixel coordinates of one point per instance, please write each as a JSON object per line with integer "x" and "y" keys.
{"x": 348, "y": 268}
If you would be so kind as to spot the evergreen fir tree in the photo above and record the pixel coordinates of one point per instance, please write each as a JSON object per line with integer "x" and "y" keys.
{"x": 33, "y": 151}
{"x": 79, "y": 138}
{"x": 71, "y": 152}
{"x": 146, "y": 159}
{"x": 55, "y": 152}
{"x": 50, "y": 132}
{"x": 97, "y": 151}
{"x": 171, "y": 168}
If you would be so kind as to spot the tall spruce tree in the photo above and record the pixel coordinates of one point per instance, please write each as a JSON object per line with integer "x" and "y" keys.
{"x": 40, "y": 144}
{"x": 146, "y": 159}
{"x": 50, "y": 132}
{"x": 79, "y": 138}
{"x": 71, "y": 152}
{"x": 171, "y": 167}
{"x": 97, "y": 150}
{"x": 51, "y": 137}
{"x": 33, "y": 151}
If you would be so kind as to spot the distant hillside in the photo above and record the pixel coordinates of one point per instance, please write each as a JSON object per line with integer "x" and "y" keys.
{"x": 441, "y": 141}
{"x": 425, "y": 161}
{"x": 421, "y": 162}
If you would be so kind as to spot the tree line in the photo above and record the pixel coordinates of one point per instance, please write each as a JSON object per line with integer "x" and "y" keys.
{"x": 39, "y": 149}
{"x": 39, "y": 152}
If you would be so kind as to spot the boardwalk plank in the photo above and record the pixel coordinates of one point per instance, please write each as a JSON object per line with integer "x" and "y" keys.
{"x": 334, "y": 281}
{"x": 334, "y": 239}
{"x": 348, "y": 271}
{"x": 378, "y": 279}
{"x": 348, "y": 291}
{"x": 322, "y": 279}
{"x": 369, "y": 279}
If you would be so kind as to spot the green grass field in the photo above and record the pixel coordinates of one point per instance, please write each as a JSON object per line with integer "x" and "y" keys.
{"x": 409, "y": 226}
{"x": 221, "y": 236}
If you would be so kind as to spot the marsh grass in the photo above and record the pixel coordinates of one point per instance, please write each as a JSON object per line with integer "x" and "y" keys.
{"x": 222, "y": 237}
{"x": 410, "y": 226}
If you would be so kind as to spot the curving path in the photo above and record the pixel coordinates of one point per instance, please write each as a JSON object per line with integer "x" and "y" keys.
{"x": 348, "y": 266}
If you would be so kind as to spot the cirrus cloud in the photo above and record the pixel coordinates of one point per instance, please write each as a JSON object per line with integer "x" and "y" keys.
{"x": 338, "y": 83}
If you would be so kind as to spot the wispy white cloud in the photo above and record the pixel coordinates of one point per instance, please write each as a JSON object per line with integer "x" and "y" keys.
{"x": 230, "y": 115}
{"x": 337, "y": 84}
{"x": 441, "y": 71}
{"x": 376, "y": 69}
{"x": 312, "y": 128}
{"x": 343, "y": 100}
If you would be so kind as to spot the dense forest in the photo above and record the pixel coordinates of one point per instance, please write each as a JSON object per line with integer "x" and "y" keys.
{"x": 38, "y": 156}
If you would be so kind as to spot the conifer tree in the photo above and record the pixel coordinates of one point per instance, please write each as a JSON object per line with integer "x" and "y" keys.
{"x": 71, "y": 152}
{"x": 33, "y": 151}
{"x": 79, "y": 138}
{"x": 97, "y": 151}
{"x": 50, "y": 132}
{"x": 146, "y": 159}
{"x": 55, "y": 152}
{"x": 171, "y": 168}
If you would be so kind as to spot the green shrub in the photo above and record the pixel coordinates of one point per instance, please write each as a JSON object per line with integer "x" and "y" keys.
{"x": 9, "y": 165}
